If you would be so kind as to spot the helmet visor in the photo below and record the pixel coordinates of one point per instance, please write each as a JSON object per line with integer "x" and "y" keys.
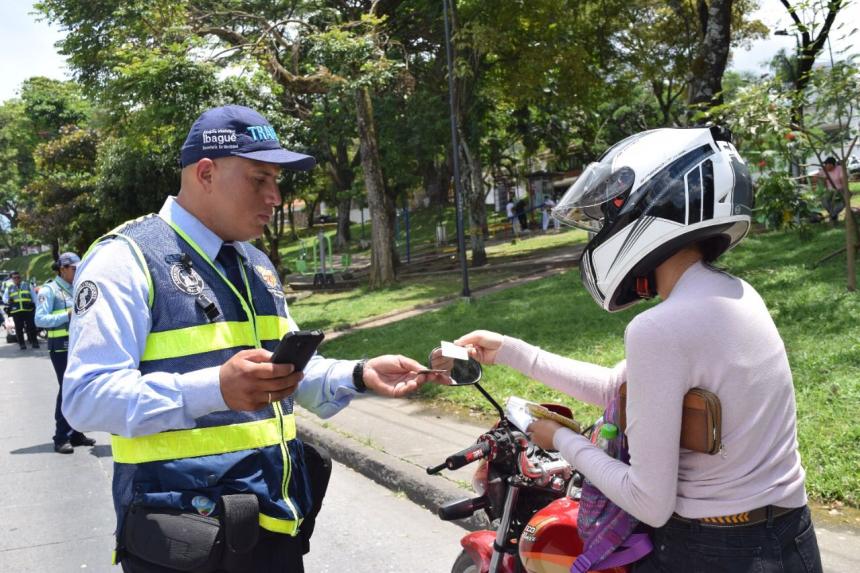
{"x": 583, "y": 204}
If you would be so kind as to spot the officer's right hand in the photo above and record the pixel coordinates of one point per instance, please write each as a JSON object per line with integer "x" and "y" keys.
{"x": 250, "y": 382}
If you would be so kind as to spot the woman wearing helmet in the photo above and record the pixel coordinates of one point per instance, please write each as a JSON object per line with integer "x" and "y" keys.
{"x": 663, "y": 205}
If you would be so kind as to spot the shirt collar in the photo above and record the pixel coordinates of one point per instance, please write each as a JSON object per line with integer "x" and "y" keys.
{"x": 63, "y": 283}
{"x": 206, "y": 239}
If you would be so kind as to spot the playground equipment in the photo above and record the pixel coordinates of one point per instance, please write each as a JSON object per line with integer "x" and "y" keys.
{"x": 317, "y": 258}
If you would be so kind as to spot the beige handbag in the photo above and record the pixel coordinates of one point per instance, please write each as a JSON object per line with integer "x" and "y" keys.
{"x": 701, "y": 421}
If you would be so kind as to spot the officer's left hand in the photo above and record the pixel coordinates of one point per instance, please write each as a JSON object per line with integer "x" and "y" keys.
{"x": 395, "y": 376}
{"x": 542, "y": 433}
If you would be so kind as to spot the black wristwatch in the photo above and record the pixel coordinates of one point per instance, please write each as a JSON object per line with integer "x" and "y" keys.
{"x": 358, "y": 376}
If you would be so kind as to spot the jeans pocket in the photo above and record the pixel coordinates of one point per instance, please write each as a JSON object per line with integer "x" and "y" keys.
{"x": 725, "y": 558}
{"x": 807, "y": 548}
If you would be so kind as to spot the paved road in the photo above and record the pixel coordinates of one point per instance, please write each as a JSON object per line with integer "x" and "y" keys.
{"x": 57, "y": 515}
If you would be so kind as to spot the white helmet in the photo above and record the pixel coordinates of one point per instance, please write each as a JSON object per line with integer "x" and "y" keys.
{"x": 649, "y": 196}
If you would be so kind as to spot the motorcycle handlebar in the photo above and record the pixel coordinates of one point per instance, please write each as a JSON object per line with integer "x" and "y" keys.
{"x": 474, "y": 452}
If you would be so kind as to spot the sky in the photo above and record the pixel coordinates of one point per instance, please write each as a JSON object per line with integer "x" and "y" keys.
{"x": 27, "y": 45}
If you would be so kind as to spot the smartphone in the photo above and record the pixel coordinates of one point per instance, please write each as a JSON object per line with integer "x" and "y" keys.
{"x": 297, "y": 347}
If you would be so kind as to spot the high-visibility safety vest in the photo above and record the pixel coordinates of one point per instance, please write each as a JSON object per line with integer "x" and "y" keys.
{"x": 58, "y": 337}
{"x": 20, "y": 299}
{"x": 226, "y": 452}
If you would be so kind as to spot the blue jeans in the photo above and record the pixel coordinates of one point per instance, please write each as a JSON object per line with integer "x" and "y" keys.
{"x": 785, "y": 544}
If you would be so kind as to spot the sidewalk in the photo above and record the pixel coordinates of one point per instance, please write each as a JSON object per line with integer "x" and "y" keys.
{"x": 392, "y": 441}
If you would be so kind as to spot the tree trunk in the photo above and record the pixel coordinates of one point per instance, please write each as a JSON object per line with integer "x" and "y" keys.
{"x": 477, "y": 208}
{"x": 270, "y": 242}
{"x": 382, "y": 234}
{"x": 291, "y": 217}
{"x": 436, "y": 175}
{"x": 341, "y": 171}
{"x": 706, "y": 85}
{"x": 343, "y": 236}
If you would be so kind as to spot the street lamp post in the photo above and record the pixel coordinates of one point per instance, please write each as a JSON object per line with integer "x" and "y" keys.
{"x": 455, "y": 156}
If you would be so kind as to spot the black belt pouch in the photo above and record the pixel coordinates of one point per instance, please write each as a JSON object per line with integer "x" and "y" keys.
{"x": 165, "y": 540}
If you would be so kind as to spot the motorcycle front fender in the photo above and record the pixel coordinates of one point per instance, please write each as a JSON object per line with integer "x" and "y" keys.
{"x": 479, "y": 546}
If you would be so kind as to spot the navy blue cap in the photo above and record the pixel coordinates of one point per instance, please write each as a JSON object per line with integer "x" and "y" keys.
{"x": 239, "y": 131}
{"x": 68, "y": 260}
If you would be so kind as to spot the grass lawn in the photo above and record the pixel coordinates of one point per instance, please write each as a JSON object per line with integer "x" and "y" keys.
{"x": 818, "y": 319}
{"x": 536, "y": 242}
{"x": 341, "y": 309}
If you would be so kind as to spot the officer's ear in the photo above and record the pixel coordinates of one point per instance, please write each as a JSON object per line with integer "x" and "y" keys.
{"x": 203, "y": 171}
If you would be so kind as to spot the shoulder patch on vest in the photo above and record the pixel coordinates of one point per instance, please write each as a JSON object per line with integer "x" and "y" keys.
{"x": 186, "y": 279}
{"x": 267, "y": 276}
{"x": 86, "y": 297}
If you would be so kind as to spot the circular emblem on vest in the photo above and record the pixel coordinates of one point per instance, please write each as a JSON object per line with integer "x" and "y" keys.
{"x": 186, "y": 279}
{"x": 86, "y": 297}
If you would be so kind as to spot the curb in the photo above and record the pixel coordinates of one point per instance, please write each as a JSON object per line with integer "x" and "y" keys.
{"x": 388, "y": 470}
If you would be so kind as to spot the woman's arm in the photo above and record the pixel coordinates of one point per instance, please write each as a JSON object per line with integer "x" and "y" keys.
{"x": 658, "y": 377}
{"x": 583, "y": 380}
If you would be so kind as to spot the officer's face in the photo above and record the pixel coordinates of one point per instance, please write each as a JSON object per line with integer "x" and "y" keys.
{"x": 16, "y": 279}
{"x": 67, "y": 273}
{"x": 244, "y": 194}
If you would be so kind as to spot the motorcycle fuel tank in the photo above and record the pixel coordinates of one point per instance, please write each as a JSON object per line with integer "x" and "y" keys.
{"x": 550, "y": 541}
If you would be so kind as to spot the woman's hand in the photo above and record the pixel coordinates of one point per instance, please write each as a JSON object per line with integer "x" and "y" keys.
{"x": 542, "y": 433}
{"x": 482, "y": 345}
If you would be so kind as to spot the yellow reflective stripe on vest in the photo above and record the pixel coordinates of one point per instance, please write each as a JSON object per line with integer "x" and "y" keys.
{"x": 277, "y": 525}
{"x": 197, "y": 340}
{"x": 272, "y": 327}
{"x": 203, "y": 441}
{"x": 211, "y": 337}
{"x": 58, "y": 331}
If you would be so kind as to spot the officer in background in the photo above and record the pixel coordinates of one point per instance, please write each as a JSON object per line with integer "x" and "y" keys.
{"x": 175, "y": 317}
{"x": 20, "y": 300}
{"x": 4, "y": 282}
{"x": 53, "y": 312}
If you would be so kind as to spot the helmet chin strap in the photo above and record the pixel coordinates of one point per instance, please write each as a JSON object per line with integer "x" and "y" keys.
{"x": 646, "y": 287}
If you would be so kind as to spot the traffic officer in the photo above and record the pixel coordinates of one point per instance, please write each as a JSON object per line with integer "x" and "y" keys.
{"x": 19, "y": 299}
{"x": 53, "y": 312}
{"x": 175, "y": 317}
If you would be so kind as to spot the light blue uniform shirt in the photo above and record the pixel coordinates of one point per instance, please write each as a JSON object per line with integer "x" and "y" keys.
{"x": 45, "y": 304}
{"x": 11, "y": 285}
{"x": 103, "y": 388}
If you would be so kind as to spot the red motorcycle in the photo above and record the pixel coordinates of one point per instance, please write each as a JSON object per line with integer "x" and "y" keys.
{"x": 529, "y": 495}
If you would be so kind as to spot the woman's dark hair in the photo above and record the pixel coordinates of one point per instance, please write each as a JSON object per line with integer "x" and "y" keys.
{"x": 830, "y": 161}
{"x": 55, "y": 266}
{"x": 713, "y": 247}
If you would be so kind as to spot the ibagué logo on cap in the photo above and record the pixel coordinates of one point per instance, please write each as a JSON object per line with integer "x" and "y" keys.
{"x": 221, "y": 138}
{"x": 262, "y": 133}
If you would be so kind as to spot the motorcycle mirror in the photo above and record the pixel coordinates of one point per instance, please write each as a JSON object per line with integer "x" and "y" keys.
{"x": 461, "y": 372}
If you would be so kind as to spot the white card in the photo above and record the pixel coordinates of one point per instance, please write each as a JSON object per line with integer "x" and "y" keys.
{"x": 517, "y": 411}
{"x": 451, "y": 350}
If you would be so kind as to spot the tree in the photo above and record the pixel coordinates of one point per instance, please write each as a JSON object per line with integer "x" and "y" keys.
{"x": 63, "y": 210}
{"x": 761, "y": 116}
{"x": 17, "y": 142}
{"x": 812, "y": 39}
{"x": 27, "y": 126}
{"x": 835, "y": 109}
{"x": 114, "y": 44}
